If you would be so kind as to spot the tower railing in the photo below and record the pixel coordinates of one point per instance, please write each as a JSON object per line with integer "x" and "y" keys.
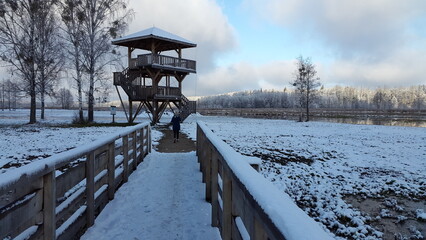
{"x": 164, "y": 61}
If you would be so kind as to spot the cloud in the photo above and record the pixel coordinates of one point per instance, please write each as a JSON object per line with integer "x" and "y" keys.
{"x": 246, "y": 76}
{"x": 403, "y": 68}
{"x": 366, "y": 43}
{"x": 200, "y": 21}
{"x": 353, "y": 29}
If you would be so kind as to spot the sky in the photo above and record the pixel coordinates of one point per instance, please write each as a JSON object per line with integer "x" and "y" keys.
{"x": 253, "y": 44}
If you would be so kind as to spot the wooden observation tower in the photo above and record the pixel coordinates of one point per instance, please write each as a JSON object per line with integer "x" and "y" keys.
{"x": 152, "y": 79}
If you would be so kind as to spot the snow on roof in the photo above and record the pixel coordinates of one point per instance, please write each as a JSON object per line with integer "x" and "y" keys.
{"x": 154, "y": 33}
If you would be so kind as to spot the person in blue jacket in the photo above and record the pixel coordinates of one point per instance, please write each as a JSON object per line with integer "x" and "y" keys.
{"x": 176, "y": 126}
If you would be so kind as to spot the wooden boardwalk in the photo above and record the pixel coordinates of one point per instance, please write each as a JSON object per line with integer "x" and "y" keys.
{"x": 163, "y": 199}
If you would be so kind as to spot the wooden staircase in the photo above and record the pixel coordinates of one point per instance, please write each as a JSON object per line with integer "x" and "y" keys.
{"x": 187, "y": 107}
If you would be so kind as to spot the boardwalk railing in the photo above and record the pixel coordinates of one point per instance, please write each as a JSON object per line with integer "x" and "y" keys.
{"x": 244, "y": 204}
{"x": 60, "y": 196}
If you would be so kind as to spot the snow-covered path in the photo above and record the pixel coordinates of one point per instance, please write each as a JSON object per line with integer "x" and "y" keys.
{"x": 163, "y": 199}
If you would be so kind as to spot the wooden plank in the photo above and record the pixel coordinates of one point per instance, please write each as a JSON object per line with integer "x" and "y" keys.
{"x": 142, "y": 140}
{"x": 208, "y": 174}
{"x": 125, "y": 158}
{"x": 134, "y": 153}
{"x": 100, "y": 202}
{"x": 101, "y": 162}
{"x": 214, "y": 190}
{"x": 75, "y": 230}
{"x": 111, "y": 171}
{"x": 101, "y": 179}
{"x": 72, "y": 204}
{"x": 90, "y": 188}
{"x": 236, "y": 235}
{"x": 149, "y": 144}
{"x": 227, "y": 205}
{"x": 21, "y": 214}
{"x": 69, "y": 179}
{"x": 19, "y": 189}
{"x": 259, "y": 231}
{"x": 49, "y": 205}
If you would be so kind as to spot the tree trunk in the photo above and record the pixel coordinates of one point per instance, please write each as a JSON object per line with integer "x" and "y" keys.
{"x": 42, "y": 106}
{"x": 33, "y": 104}
{"x": 307, "y": 108}
{"x": 79, "y": 85}
{"x": 91, "y": 102}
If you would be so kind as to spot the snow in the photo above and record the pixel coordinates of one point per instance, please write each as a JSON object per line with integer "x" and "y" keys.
{"x": 319, "y": 164}
{"x": 70, "y": 220}
{"x": 36, "y": 167}
{"x": 290, "y": 219}
{"x": 141, "y": 211}
{"x": 421, "y": 214}
{"x": 242, "y": 229}
{"x": 153, "y": 32}
{"x": 27, "y": 233}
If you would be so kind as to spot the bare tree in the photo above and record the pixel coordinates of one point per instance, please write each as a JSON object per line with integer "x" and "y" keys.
{"x": 9, "y": 94}
{"x": 49, "y": 54}
{"x": 64, "y": 98}
{"x": 18, "y": 42}
{"x": 103, "y": 20}
{"x": 306, "y": 83}
{"x": 72, "y": 13}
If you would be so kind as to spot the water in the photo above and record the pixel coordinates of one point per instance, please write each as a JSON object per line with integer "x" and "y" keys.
{"x": 376, "y": 121}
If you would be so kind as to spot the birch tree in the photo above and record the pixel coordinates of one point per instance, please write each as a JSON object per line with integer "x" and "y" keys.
{"x": 49, "y": 54}
{"x": 102, "y": 21}
{"x": 18, "y": 43}
{"x": 72, "y": 13}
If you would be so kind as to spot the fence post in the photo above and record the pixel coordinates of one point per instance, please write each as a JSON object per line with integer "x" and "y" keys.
{"x": 214, "y": 189}
{"x": 202, "y": 157}
{"x": 208, "y": 173}
{"x": 111, "y": 170}
{"x": 227, "y": 203}
{"x": 49, "y": 205}
{"x": 90, "y": 188}
{"x": 198, "y": 142}
{"x": 142, "y": 149}
{"x": 134, "y": 153}
{"x": 148, "y": 130}
{"x": 125, "y": 158}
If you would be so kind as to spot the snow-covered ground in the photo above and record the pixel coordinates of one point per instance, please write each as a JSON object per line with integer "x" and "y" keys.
{"x": 330, "y": 168}
{"x": 160, "y": 209}
{"x": 21, "y": 143}
{"x": 359, "y": 181}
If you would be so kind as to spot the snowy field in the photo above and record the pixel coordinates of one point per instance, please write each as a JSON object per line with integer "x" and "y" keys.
{"x": 358, "y": 181}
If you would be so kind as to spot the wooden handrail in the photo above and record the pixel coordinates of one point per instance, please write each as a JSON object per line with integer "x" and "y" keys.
{"x": 162, "y": 60}
{"x": 42, "y": 200}
{"x": 244, "y": 202}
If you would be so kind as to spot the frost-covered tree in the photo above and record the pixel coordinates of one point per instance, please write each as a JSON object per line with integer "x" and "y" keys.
{"x": 102, "y": 20}
{"x": 306, "y": 83}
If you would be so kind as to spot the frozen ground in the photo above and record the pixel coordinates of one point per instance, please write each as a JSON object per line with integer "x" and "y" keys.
{"x": 359, "y": 181}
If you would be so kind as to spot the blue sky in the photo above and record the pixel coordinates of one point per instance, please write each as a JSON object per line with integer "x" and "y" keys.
{"x": 252, "y": 44}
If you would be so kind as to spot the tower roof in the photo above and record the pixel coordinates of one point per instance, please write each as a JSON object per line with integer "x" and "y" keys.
{"x": 154, "y": 39}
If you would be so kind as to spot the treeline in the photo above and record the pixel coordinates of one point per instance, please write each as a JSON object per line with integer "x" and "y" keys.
{"x": 337, "y": 98}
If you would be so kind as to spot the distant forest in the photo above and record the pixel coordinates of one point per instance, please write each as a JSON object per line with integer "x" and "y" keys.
{"x": 336, "y": 98}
